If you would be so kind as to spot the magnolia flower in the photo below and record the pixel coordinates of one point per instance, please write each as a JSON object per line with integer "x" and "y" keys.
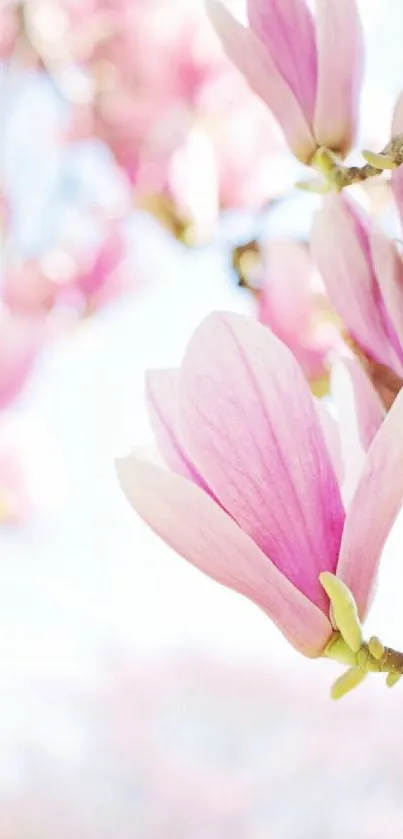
{"x": 307, "y": 71}
{"x": 363, "y": 274}
{"x": 293, "y": 304}
{"x": 176, "y": 127}
{"x": 253, "y": 499}
{"x": 100, "y": 278}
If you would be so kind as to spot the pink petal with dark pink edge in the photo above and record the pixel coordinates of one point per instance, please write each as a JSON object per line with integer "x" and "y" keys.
{"x": 287, "y": 31}
{"x": 397, "y": 174}
{"x": 250, "y": 425}
{"x": 253, "y": 60}
{"x": 200, "y": 531}
{"x": 162, "y": 403}
{"x": 340, "y": 47}
{"x": 388, "y": 267}
{"x": 360, "y": 413}
{"x": 340, "y": 247}
{"x": 374, "y": 508}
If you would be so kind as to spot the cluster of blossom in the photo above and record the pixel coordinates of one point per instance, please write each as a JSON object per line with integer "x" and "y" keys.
{"x": 174, "y": 125}
{"x": 175, "y": 131}
{"x": 267, "y": 493}
{"x": 40, "y": 300}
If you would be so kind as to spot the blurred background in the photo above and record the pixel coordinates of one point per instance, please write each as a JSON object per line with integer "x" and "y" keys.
{"x": 142, "y": 186}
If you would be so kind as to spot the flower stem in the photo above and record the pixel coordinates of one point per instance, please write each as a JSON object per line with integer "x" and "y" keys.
{"x": 338, "y": 176}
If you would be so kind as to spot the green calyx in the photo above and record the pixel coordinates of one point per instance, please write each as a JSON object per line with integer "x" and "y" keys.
{"x": 347, "y": 645}
{"x": 334, "y": 175}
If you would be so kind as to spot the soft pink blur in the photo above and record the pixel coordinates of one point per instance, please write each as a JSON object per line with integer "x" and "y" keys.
{"x": 81, "y": 279}
{"x": 362, "y": 270}
{"x": 20, "y": 341}
{"x": 198, "y": 745}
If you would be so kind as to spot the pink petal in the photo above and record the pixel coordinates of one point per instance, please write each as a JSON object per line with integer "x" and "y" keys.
{"x": 286, "y": 295}
{"x": 397, "y": 174}
{"x": 330, "y": 428}
{"x": 388, "y": 267}
{"x": 360, "y": 413}
{"x": 340, "y": 70}
{"x": 250, "y": 425}
{"x": 290, "y": 307}
{"x": 373, "y": 509}
{"x": 252, "y": 59}
{"x": 340, "y": 247}
{"x": 287, "y": 31}
{"x": 194, "y": 526}
{"x": 162, "y": 403}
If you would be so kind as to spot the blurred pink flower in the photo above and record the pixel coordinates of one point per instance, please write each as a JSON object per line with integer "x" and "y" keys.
{"x": 20, "y": 341}
{"x": 9, "y": 27}
{"x": 293, "y": 304}
{"x": 363, "y": 274}
{"x": 26, "y": 289}
{"x": 83, "y": 280}
{"x": 249, "y": 163}
{"x": 177, "y": 129}
{"x": 5, "y": 213}
{"x": 309, "y": 75}
{"x": 100, "y": 278}
{"x": 255, "y": 502}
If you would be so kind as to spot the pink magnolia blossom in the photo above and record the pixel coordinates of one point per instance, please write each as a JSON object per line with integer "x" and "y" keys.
{"x": 293, "y": 304}
{"x": 177, "y": 127}
{"x": 307, "y": 71}
{"x": 363, "y": 274}
{"x": 253, "y": 499}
